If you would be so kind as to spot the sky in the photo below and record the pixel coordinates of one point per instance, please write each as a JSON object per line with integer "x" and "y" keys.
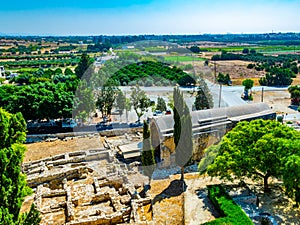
{"x": 124, "y": 17}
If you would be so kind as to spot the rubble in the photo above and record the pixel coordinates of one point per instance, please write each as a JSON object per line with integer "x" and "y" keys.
{"x": 88, "y": 187}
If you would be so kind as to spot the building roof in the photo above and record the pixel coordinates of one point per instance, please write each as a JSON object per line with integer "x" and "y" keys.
{"x": 131, "y": 150}
{"x": 215, "y": 116}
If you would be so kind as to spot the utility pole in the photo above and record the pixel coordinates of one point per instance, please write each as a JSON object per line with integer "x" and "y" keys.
{"x": 220, "y": 95}
{"x": 215, "y": 71}
{"x": 262, "y": 94}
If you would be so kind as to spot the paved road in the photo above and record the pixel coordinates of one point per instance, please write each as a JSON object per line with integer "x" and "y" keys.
{"x": 231, "y": 95}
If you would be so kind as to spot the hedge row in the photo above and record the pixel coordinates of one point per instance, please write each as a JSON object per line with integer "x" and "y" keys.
{"x": 231, "y": 213}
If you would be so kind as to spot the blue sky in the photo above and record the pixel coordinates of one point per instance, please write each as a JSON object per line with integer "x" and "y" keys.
{"x": 69, "y": 17}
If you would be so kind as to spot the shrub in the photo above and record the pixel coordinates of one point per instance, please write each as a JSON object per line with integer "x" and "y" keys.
{"x": 280, "y": 119}
{"x": 231, "y": 212}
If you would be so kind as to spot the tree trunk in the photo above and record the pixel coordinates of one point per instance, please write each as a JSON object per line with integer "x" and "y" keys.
{"x": 182, "y": 173}
{"x": 266, "y": 184}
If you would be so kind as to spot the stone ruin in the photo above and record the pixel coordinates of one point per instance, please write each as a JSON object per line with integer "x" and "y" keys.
{"x": 88, "y": 187}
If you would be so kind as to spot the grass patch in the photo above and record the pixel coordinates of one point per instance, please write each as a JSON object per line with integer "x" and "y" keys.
{"x": 231, "y": 213}
{"x": 183, "y": 58}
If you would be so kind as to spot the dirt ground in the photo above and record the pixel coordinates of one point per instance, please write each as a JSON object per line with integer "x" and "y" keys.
{"x": 278, "y": 100}
{"x": 168, "y": 200}
{"x": 40, "y": 150}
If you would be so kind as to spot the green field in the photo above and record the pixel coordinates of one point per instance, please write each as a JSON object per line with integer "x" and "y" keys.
{"x": 183, "y": 58}
{"x": 259, "y": 48}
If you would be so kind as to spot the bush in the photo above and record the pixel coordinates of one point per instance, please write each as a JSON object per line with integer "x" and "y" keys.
{"x": 231, "y": 212}
{"x": 148, "y": 83}
{"x": 280, "y": 119}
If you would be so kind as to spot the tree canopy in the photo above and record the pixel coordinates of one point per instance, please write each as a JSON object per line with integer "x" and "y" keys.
{"x": 12, "y": 181}
{"x": 295, "y": 94}
{"x": 139, "y": 101}
{"x": 161, "y": 104}
{"x": 39, "y": 101}
{"x": 83, "y": 65}
{"x": 248, "y": 84}
{"x": 156, "y": 71}
{"x": 259, "y": 149}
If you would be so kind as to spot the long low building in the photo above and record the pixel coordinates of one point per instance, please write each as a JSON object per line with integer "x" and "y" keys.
{"x": 208, "y": 126}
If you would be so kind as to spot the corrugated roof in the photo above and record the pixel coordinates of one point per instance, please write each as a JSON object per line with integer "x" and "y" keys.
{"x": 233, "y": 113}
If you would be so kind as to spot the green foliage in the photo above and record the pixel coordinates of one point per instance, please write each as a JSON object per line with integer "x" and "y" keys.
{"x": 39, "y": 101}
{"x": 83, "y": 65}
{"x": 143, "y": 70}
{"x": 12, "y": 181}
{"x": 40, "y": 63}
{"x": 248, "y": 84}
{"x": 203, "y": 98}
{"x": 84, "y": 101}
{"x": 210, "y": 154}
{"x": 295, "y": 94}
{"x": 277, "y": 77}
{"x": 224, "y": 79}
{"x": 182, "y": 131}
{"x": 195, "y": 49}
{"x": 256, "y": 149}
{"x": 147, "y": 156}
{"x": 32, "y": 217}
{"x": 68, "y": 71}
{"x": 139, "y": 101}
{"x": 100, "y": 47}
{"x": 245, "y": 51}
{"x": 231, "y": 212}
{"x": 161, "y": 104}
{"x": 291, "y": 177}
{"x": 120, "y": 102}
{"x": 107, "y": 97}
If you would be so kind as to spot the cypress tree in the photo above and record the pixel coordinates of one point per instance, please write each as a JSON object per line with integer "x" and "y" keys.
{"x": 148, "y": 160}
{"x": 182, "y": 131}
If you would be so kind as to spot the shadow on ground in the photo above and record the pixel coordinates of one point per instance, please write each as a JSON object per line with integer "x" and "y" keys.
{"x": 176, "y": 188}
{"x": 202, "y": 194}
{"x": 294, "y": 107}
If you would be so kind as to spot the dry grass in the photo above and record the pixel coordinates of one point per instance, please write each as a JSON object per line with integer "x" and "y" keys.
{"x": 40, "y": 150}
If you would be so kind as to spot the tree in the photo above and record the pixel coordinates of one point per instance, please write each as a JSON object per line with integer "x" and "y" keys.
{"x": 84, "y": 101}
{"x": 248, "y": 84}
{"x": 161, "y": 104}
{"x": 148, "y": 160}
{"x": 257, "y": 150}
{"x": 83, "y": 65}
{"x": 295, "y": 94}
{"x": 195, "y": 49}
{"x": 120, "y": 102}
{"x": 245, "y": 50}
{"x": 203, "y": 100}
{"x": 291, "y": 177}
{"x": 182, "y": 131}
{"x": 106, "y": 97}
{"x": 139, "y": 101}
{"x": 224, "y": 79}
{"x": 127, "y": 107}
{"x": 12, "y": 181}
{"x": 68, "y": 71}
